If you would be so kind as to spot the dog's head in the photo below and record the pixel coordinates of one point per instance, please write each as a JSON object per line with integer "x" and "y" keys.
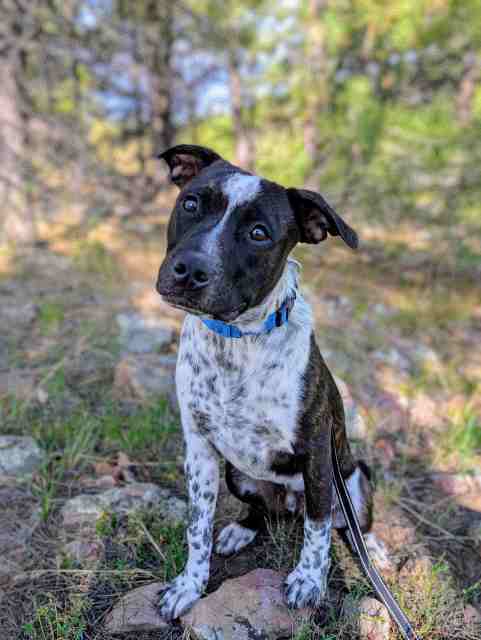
{"x": 230, "y": 233}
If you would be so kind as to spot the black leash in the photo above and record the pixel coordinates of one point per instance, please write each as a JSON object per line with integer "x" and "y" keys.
{"x": 404, "y": 626}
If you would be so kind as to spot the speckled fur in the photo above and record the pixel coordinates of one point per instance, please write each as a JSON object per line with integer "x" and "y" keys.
{"x": 241, "y": 399}
{"x": 266, "y": 403}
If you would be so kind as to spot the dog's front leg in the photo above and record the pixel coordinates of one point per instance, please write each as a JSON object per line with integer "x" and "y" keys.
{"x": 307, "y": 584}
{"x": 202, "y": 475}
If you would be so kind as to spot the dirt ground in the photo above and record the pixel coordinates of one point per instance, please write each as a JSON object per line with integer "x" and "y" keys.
{"x": 401, "y": 330}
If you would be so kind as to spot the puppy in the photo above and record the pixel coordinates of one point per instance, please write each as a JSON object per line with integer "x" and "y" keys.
{"x": 252, "y": 385}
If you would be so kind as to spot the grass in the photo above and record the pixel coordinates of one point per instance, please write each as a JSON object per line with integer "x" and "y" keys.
{"x": 50, "y": 316}
{"x": 466, "y": 433}
{"x": 51, "y": 622}
{"x": 94, "y": 259}
{"x": 429, "y": 598}
{"x": 72, "y": 444}
{"x": 69, "y": 329}
{"x": 143, "y": 432}
{"x": 462, "y": 439}
{"x": 154, "y": 539}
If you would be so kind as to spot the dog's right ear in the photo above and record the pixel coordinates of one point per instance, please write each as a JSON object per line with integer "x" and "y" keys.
{"x": 186, "y": 161}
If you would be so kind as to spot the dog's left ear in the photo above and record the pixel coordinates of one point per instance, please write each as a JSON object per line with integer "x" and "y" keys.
{"x": 316, "y": 218}
{"x": 186, "y": 161}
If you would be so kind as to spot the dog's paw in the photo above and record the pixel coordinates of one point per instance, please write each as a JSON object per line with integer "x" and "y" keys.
{"x": 304, "y": 589}
{"x": 177, "y": 597}
{"x": 233, "y": 538}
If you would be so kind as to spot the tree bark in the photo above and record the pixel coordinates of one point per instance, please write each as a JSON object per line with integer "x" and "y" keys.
{"x": 161, "y": 15}
{"x": 316, "y": 88}
{"x": 17, "y": 224}
{"x": 467, "y": 87}
{"x": 244, "y": 150}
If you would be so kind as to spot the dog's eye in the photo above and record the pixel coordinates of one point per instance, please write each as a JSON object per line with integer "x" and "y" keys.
{"x": 190, "y": 204}
{"x": 259, "y": 233}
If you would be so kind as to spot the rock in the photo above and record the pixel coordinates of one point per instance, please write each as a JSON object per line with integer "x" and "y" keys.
{"x": 86, "y": 553}
{"x": 424, "y": 411}
{"x": 356, "y": 425}
{"x": 382, "y": 309}
{"x": 21, "y": 315}
{"x": 17, "y": 383}
{"x": 88, "y": 508}
{"x": 393, "y": 530}
{"x": 105, "y": 482}
{"x": 368, "y": 617}
{"x": 457, "y": 484}
{"x": 147, "y": 376}
{"x": 385, "y": 451}
{"x": 374, "y": 619}
{"x": 463, "y": 487}
{"x": 337, "y": 308}
{"x": 91, "y": 367}
{"x": 416, "y": 570}
{"x": 426, "y": 357}
{"x": 140, "y": 334}
{"x": 251, "y": 606}
{"x": 393, "y": 358}
{"x": 19, "y": 456}
{"x": 8, "y": 569}
{"x": 136, "y": 611}
{"x": 471, "y": 615}
{"x": 20, "y": 517}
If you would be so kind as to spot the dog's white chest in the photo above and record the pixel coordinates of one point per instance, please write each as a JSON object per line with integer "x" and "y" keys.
{"x": 243, "y": 394}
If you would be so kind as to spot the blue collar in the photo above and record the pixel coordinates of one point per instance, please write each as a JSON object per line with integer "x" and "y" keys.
{"x": 275, "y": 319}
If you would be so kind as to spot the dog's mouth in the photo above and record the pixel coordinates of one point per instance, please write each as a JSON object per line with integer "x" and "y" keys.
{"x": 195, "y": 309}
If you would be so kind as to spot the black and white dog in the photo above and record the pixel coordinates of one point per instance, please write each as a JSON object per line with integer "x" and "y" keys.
{"x": 252, "y": 385}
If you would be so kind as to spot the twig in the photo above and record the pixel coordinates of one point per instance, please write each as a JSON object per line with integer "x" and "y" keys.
{"x": 151, "y": 540}
{"x": 429, "y": 523}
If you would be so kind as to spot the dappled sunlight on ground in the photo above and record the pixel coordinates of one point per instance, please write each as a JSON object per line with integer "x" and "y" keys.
{"x": 407, "y": 343}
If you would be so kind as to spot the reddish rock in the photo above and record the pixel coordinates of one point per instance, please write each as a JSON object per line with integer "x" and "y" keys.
{"x": 374, "y": 620}
{"x": 86, "y": 552}
{"x": 416, "y": 569}
{"x": 424, "y": 411}
{"x": 147, "y": 376}
{"x": 464, "y": 488}
{"x": 136, "y": 611}
{"x": 393, "y": 528}
{"x": 385, "y": 451}
{"x": 246, "y": 607}
{"x": 368, "y": 618}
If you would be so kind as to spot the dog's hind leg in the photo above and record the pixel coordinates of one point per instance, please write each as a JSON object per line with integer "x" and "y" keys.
{"x": 237, "y": 535}
{"x": 360, "y": 491}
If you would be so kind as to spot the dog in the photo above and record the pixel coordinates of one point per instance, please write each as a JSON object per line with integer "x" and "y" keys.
{"x": 257, "y": 392}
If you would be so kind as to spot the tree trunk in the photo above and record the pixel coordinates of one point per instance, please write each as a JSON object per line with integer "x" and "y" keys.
{"x": 244, "y": 151}
{"x": 467, "y": 87}
{"x": 17, "y": 225}
{"x": 316, "y": 88}
{"x": 161, "y": 15}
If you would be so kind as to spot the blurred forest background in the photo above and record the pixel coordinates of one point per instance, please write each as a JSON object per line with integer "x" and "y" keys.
{"x": 375, "y": 103}
{"x": 378, "y": 104}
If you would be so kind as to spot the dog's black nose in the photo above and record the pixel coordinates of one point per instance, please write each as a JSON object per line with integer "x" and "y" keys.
{"x": 190, "y": 270}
